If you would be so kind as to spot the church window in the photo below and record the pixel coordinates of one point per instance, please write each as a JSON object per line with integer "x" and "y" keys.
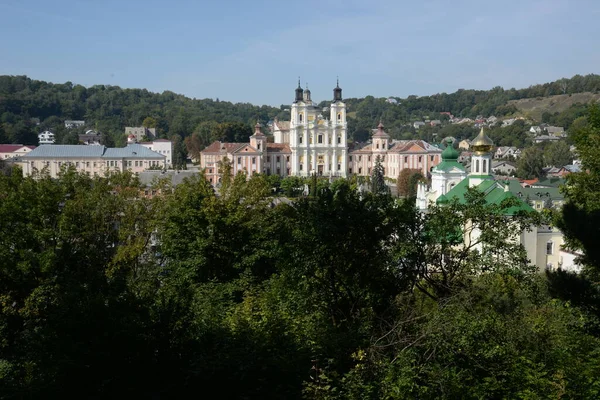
{"x": 287, "y": 158}
{"x": 339, "y": 167}
{"x": 405, "y": 159}
{"x": 239, "y": 160}
{"x": 432, "y": 158}
{"x": 350, "y": 158}
{"x": 484, "y": 167}
{"x": 278, "y": 171}
{"x": 311, "y": 139}
{"x": 377, "y": 145}
{"x": 268, "y": 171}
{"x": 339, "y": 116}
{"x": 349, "y": 170}
{"x": 278, "y": 158}
{"x": 477, "y": 166}
{"x": 550, "y": 248}
{"x": 359, "y": 170}
{"x": 300, "y": 167}
{"x": 320, "y": 139}
{"x": 288, "y": 171}
{"x": 300, "y": 116}
{"x": 339, "y": 139}
{"x": 359, "y": 158}
{"x": 369, "y": 171}
{"x": 420, "y": 158}
{"x": 253, "y": 160}
{"x": 268, "y": 158}
{"x": 258, "y": 145}
{"x": 369, "y": 158}
{"x": 300, "y": 139}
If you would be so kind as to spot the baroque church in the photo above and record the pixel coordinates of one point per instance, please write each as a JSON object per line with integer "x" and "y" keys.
{"x": 309, "y": 143}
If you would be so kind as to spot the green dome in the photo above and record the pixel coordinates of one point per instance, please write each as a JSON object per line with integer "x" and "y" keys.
{"x": 450, "y": 153}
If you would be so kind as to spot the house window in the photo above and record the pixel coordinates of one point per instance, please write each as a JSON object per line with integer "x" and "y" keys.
{"x": 300, "y": 167}
{"x": 550, "y": 248}
{"x": 210, "y": 170}
{"x": 239, "y": 160}
{"x": 339, "y": 166}
{"x": 258, "y": 145}
{"x": 420, "y": 158}
{"x": 320, "y": 139}
{"x": 278, "y": 159}
{"x": 268, "y": 158}
{"x": 288, "y": 171}
{"x": 350, "y": 158}
{"x": 287, "y": 158}
{"x": 253, "y": 160}
{"x": 349, "y": 170}
{"x": 268, "y": 171}
{"x": 359, "y": 158}
{"x": 432, "y": 158}
{"x": 369, "y": 171}
{"x": 278, "y": 171}
{"x": 359, "y": 170}
{"x": 369, "y": 158}
{"x": 406, "y": 159}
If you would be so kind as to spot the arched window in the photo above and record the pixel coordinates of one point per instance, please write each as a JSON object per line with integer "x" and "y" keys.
{"x": 484, "y": 166}
{"x": 477, "y": 166}
{"x": 300, "y": 117}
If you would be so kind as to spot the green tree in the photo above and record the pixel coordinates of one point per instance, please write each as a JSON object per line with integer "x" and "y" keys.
{"x": 150, "y": 122}
{"x": 531, "y": 163}
{"x": 581, "y": 214}
{"x": 558, "y": 154}
{"x": 378, "y": 185}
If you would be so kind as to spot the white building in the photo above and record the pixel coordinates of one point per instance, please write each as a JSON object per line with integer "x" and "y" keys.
{"x": 69, "y": 124}
{"x": 46, "y": 137}
{"x": 161, "y": 146}
{"x": 318, "y": 145}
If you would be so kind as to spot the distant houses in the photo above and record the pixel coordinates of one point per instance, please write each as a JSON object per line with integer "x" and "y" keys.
{"x": 46, "y": 137}
{"x": 14, "y": 150}
{"x": 70, "y": 124}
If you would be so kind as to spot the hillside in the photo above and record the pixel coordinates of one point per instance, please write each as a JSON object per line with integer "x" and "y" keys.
{"x": 29, "y": 106}
{"x": 535, "y": 107}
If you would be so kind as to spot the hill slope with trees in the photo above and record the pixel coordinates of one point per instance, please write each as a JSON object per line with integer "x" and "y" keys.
{"x": 25, "y": 103}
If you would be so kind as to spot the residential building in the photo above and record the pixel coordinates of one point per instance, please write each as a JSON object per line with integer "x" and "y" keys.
{"x": 94, "y": 160}
{"x": 464, "y": 144}
{"x": 558, "y": 131}
{"x": 14, "y": 150}
{"x": 507, "y": 152}
{"x": 70, "y": 124}
{"x": 418, "y": 124}
{"x": 90, "y": 137}
{"x": 161, "y": 146}
{"x": 503, "y": 168}
{"x": 545, "y": 138}
{"x": 46, "y": 137}
{"x": 536, "y": 130}
{"x": 138, "y": 133}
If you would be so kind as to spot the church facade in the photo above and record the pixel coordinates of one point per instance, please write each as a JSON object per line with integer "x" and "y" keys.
{"x": 450, "y": 181}
{"x": 310, "y": 143}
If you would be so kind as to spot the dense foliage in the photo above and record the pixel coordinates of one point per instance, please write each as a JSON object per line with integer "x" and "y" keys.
{"x": 106, "y": 293}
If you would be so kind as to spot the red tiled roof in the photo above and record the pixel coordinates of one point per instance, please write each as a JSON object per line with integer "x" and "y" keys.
{"x": 9, "y": 148}
{"x": 278, "y": 148}
{"x": 217, "y": 147}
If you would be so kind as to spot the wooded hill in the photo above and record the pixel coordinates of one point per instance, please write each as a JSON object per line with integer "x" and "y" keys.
{"x": 24, "y": 102}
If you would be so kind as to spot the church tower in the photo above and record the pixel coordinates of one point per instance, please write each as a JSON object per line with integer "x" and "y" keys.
{"x": 381, "y": 141}
{"x": 258, "y": 140}
{"x": 481, "y": 160}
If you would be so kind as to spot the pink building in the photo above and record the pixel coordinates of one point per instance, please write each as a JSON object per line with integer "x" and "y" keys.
{"x": 395, "y": 155}
{"x": 258, "y": 156}
{"x": 13, "y": 150}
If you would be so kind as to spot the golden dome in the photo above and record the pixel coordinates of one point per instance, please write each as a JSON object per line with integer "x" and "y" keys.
{"x": 482, "y": 143}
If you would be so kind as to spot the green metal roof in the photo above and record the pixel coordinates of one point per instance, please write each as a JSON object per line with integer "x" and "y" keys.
{"x": 493, "y": 191}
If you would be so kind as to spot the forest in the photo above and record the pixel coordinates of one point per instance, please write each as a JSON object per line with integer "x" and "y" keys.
{"x": 25, "y": 103}
{"x": 341, "y": 294}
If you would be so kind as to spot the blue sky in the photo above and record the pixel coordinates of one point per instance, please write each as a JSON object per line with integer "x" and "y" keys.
{"x": 254, "y": 51}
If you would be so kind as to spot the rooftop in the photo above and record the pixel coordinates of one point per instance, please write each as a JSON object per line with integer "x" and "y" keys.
{"x": 75, "y": 151}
